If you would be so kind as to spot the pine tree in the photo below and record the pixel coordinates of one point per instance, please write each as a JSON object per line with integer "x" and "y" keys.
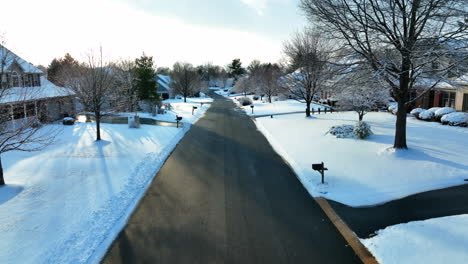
{"x": 145, "y": 82}
{"x": 236, "y": 69}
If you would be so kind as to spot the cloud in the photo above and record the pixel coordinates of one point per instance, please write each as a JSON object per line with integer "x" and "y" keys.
{"x": 258, "y": 5}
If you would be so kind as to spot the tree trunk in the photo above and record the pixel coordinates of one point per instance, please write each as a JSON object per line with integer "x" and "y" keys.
{"x": 98, "y": 127}
{"x": 185, "y": 98}
{"x": 2, "y": 180}
{"x": 361, "y": 115}
{"x": 269, "y": 99}
{"x": 400, "y": 131}
{"x": 307, "y": 109}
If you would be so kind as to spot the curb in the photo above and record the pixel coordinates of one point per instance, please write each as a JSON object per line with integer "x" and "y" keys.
{"x": 361, "y": 251}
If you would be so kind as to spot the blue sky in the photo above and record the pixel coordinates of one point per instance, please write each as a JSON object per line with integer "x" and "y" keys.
{"x": 183, "y": 30}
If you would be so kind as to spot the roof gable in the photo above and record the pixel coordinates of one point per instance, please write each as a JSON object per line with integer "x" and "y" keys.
{"x": 8, "y": 59}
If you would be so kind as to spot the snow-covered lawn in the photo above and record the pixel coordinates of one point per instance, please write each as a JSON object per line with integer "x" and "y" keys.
{"x": 368, "y": 172}
{"x": 179, "y": 108}
{"x": 67, "y": 203}
{"x": 434, "y": 241}
{"x": 276, "y": 107}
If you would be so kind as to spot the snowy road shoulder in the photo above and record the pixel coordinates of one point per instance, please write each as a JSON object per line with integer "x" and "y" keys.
{"x": 433, "y": 241}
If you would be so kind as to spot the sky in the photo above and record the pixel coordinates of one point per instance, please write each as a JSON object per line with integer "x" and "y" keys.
{"x": 194, "y": 31}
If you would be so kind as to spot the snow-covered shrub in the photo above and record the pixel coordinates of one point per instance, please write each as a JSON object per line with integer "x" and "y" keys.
{"x": 428, "y": 115}
{"x": 393, "y": 107}
{"x": 343, "y": 131}
{"x": 256, "y": 97}
{"x": 362, "y": 130}
{"x": 443, "y": 111}
{"x": 415, "y": 112}
{"x": 245, "y": 101}
{"x": 455, "y": 119}
{"x": 68, "y": 121}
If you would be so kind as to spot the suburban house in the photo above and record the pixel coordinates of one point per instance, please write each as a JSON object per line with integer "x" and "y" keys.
{"x": 163, "y": 86}
{"x": 25, "y": 92}
{"x": 453, "y": 93}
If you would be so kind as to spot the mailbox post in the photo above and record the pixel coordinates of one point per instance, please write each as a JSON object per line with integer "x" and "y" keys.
{"x": 178, "y": 118}
{"x": 193, "y": 109}
{"x": 252, "y": 108}
{"x": 320, "y": 167}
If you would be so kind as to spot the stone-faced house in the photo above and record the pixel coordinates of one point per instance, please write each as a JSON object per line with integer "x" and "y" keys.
{"x": 25, "y": 92}
{"x": 163, "y": 83}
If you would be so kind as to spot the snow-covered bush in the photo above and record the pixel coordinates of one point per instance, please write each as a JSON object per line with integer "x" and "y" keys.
{"x": 455, "y": 119}
{"x": 393, "y": 107}
{"x": 428, "y": 115}
{"x": 443, "y": 111}
{"x": 68, "y": 121}
{"x": 362, "y": 130}
{"x": 415, "y": 112}
{"x": 245, "y": 101}
{"x": 343, "y": 131}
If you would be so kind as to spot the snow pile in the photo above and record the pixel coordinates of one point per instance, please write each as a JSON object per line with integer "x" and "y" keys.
{"x": 393, "y": 107}
{"x": 70, "y": 201}
{"x": 443, "y": 111}
{"x": 429, "y": 114}
{"x": 455, "y": 119}
{"x": 343, "y": 131}
{"x": 369, "y": 172}
{"x": 434, "y": 241}
{"x": 415, "y": 112}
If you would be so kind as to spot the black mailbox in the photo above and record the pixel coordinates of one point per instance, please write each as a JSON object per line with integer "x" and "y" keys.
{"x": 178, "y": 118}
{"x": 195, "y": 107}
{"x": 251, "y": 106}
{"x": 320, "y": 167}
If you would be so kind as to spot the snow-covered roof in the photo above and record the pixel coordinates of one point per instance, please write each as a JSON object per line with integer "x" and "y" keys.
{"x": 46, "y": 90}
{"x": 163, "y": 83}
{"x": 10, "y": 58}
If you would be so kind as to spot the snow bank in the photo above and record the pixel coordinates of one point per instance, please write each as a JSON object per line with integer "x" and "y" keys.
{"x": 368, "y": 172}
{"x": 455, "y": 119}
{"x": 434, "y": 241}
{"x": 393, "y": 107}
{"x": 73, "y": 198}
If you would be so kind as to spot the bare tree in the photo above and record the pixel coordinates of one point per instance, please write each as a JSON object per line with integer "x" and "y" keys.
{"x": 308, "y": 56}
{"x": 399, "y": 39}
{"x": 362, "y": 91}
{"x": 27, "y": 133}
{"x": 244, "y": 85}
{"x": 93, "y": 86}
{"x": 186, "y": 81}
{"x": 124, "y": 96}
{"x": 266, "y": 80}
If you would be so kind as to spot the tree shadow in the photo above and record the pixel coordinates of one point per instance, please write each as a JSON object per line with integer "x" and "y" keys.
{"x": 9, "y": 191}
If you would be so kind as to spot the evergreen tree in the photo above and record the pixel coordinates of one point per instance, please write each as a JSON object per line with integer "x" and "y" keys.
{"x": 145, "y": 82}
{"x": 58, "y": 67}
{"x": 236, "y": 69}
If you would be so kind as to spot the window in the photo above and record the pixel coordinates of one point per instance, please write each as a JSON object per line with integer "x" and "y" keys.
{"x": 447, "y": 99}
{"x": 5, "y": 113}
{"x": 37, "y": 81}
{"x": 15, "y": 79}
{"x": 30, "y": 110}
{"x": 26, "y": 80}
{"x": 18, "y": 111}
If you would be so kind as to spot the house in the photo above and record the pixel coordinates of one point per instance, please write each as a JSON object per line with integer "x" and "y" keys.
{"x": 163, "y": 85}
{"x": 451, "y": 93}
{"x": 25, "y": 92}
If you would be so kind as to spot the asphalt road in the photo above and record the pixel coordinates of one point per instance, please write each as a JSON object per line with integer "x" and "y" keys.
{"x": 445, "y": 202}
{"x": 225, "y": 196}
